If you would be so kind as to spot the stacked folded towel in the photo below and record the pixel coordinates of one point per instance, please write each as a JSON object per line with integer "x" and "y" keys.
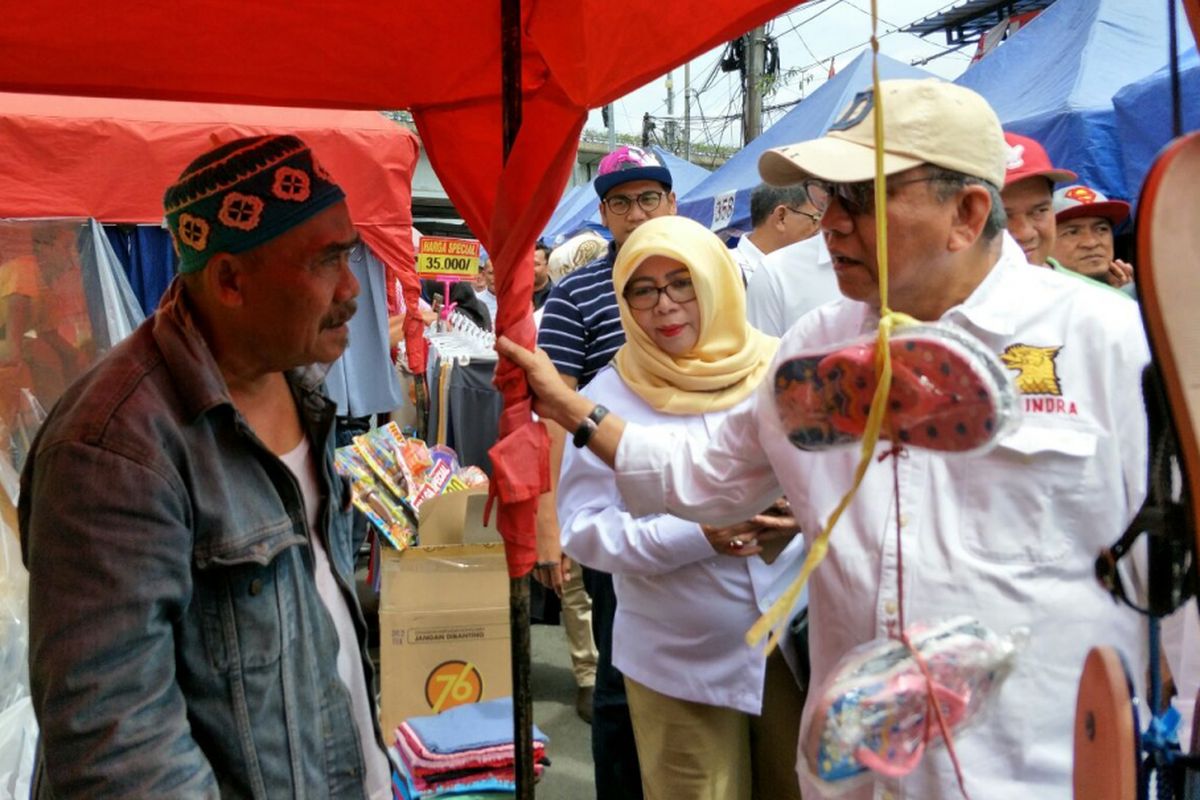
{"x": 464, "y": 752}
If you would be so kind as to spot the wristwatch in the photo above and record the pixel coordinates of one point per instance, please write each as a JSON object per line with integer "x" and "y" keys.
{"x": 583, "y": 434}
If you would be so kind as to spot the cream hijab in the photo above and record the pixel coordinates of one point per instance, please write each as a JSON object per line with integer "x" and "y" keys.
{"x": 730, "y": 357}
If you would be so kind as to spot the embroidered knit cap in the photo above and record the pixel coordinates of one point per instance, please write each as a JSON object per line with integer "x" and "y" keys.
{"x": 243, "y": 194}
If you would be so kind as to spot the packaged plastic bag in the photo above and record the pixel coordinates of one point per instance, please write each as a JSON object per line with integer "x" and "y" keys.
{"x": 873, "y": 714}
{"x": 14, "y": 619}
{"x": 18, "y": 727}
{"x": 18, "y": 744}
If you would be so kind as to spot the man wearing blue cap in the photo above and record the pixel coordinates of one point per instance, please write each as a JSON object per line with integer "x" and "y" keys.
{"x": 194, "y": 630}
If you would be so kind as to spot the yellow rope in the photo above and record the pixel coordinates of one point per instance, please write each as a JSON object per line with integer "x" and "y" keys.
{"x": 772, "y": 621}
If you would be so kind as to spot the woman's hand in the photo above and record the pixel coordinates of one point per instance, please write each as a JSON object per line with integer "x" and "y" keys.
{"x": 776, "y": 528}
{"x": 739, "y": 540}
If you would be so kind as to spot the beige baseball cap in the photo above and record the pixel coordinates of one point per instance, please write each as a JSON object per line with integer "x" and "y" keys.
{"x": 925, "y": 122}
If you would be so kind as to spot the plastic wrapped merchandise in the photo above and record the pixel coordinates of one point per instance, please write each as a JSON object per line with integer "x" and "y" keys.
{"x": 18, "y": 727}
{"x": 18, "y": 745}
{"x": 949, "y": 392}
{"x": 14, "y": 619}
{"x": 873, "y": 714}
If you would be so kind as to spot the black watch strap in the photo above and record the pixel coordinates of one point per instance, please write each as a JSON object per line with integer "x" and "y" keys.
{"x": 583, "y": 434}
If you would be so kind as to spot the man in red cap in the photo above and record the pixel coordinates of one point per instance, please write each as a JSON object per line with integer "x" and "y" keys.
{"x": 1084, "y": 237}
{"x": 1027, "y": 194}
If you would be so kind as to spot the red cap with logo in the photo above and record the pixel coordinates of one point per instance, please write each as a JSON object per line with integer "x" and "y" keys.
{"x": 1026, "y": 159}
{"x": 1083, "y": 201}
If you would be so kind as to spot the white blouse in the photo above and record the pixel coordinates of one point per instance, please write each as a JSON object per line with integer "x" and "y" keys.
{"x": 682, "y": 609}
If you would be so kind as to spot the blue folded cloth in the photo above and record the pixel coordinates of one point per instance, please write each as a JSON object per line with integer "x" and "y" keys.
{"x": 470, "y": 727}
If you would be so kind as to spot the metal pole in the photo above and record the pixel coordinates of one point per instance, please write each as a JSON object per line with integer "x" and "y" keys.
{"x": 612, "y": 128}
{"x": 518, "y": 588}
{"x": 687, "y": 111}
{"x": 518, "y": 618}
{"x": 754, "y": 64}
{"x": 671, "y": 111}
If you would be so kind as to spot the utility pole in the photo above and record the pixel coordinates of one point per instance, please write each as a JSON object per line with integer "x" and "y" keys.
{"x": 752, "y": 96}
{"x": 670, "y": 132}
{"x": 687, "y": 111}
{"x": 611, "y": 119}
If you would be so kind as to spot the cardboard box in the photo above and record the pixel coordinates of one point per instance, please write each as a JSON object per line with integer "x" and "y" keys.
{"x": 443, "y": 618}
{"x": 457, "y": 518}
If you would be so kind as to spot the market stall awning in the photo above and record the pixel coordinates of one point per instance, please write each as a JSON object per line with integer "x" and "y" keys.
{"x": 111, "y": 159}
{"x": 443, "y": 61}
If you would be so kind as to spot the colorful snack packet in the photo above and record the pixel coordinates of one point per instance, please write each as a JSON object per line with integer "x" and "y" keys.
{"x": 391, "y": 516}
{"x": 383, "y": 462}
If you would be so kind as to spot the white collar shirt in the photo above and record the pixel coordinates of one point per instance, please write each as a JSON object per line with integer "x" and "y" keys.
{"x": 491, "y": 301}
{"x": 682, "y": 609}
{"x": 1008, "y": 537}
{"x": 791, "y": 281}
{"x": 748, "y": 256}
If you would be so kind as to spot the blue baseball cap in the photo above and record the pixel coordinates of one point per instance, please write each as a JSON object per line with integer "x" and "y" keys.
{"x": 627, "y": 164}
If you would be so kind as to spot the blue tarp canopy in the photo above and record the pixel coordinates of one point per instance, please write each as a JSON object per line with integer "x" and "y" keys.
{"x": 1144, "y": 115}
{"x": 573, "y": 201}
{"x": 580, "y": 208}
{"x": 1054, "y": 80}
{"x": 808, "y": 120}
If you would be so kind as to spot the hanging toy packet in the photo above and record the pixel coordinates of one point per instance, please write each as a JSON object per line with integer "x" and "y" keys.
{"x": 389, "y": 514}
{"x": 873, "y": 717}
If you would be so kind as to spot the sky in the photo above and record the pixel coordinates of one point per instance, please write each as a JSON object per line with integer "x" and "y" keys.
{"x": 808, "y": 37}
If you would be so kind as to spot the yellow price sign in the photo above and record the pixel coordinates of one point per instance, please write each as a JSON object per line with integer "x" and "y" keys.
{"x": 442, "y": 257}
{"x": 453, "y": 683}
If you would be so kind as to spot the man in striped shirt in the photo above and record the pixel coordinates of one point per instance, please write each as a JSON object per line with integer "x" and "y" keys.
{"x": 581, "y": 331}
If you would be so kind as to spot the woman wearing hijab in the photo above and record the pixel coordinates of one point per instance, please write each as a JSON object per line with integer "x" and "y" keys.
{"x": 714, "y": 719}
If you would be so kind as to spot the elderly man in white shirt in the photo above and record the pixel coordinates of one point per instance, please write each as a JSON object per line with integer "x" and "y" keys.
{"x": 791, "y": 282}
{"x": 779, "y": 215}
{"x": 1008, "y": 537}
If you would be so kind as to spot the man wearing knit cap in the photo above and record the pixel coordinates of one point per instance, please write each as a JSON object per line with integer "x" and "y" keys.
{"x": 1008, "y": 536}
{"x": 194, "y": 630}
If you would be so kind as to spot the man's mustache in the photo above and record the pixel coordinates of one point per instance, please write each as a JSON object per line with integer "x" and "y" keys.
{"x": 340, "y": 315}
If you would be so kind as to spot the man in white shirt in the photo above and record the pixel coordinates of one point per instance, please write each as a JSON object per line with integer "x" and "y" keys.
{"x": 1008, "y": 537}
{"x": 780, "y": 215}
{"x": 487, "y": 295}
{"x": 791, "y": 282}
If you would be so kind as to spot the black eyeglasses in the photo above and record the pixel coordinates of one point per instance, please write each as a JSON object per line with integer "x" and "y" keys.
{"x": 620, "y": 204}
{"x": 857, "y": 199}
{"x": 644, "y": 296}
{"x": 809, "y": 214}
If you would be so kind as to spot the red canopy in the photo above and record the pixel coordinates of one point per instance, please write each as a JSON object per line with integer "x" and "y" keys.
{"x": 440, "y": 59}
{"x": 112, "y": 159}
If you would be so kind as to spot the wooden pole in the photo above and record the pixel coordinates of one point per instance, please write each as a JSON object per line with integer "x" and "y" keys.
{"x": 518, "y": 588}
{"x": 752, "y": 116}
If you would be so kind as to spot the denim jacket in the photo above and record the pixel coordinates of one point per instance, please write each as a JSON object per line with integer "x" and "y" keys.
{"x": 178, "y": 646}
